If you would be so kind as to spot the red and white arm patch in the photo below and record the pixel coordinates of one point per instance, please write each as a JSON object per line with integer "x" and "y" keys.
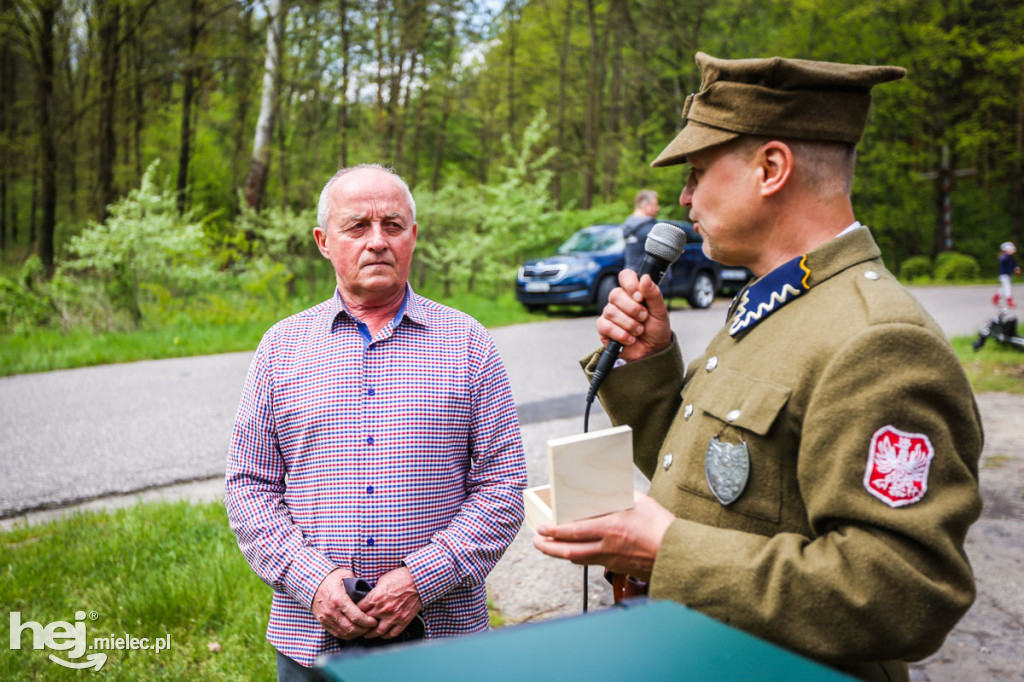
{"x": 898, "y": 463}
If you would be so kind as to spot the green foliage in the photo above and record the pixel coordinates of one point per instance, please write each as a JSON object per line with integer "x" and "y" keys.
{"x": 24, "y": 300}
{"x": 916, "y": 268}
{"x": 144, "y": 241}
{"x": 282, "y": 247}
{"x": 956, "y": 267}
{"x": 476, "y": 236}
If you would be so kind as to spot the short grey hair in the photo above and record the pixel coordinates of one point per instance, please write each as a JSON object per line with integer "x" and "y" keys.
{"x": 645, "y": 196}
{"x": 824, "y": 167}
{"x": 323, "y": 206}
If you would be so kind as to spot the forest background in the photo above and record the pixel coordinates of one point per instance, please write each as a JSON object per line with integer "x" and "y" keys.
{"x": 160, "y": 161}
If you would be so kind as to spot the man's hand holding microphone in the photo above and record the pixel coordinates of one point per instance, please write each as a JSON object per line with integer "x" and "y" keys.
{"x": 633, "y": 326}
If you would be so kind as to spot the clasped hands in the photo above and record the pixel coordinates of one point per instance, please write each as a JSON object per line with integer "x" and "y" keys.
{"x": 625, "y": 542}
{"x": 385, "y": 612}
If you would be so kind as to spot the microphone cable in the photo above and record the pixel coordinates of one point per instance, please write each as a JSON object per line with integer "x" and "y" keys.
{"x": 665, "y": 243}
{"x": 586, "y": 571}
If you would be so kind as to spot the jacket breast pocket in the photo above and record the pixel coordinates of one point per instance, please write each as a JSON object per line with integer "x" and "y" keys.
{"x": 742, "y": 410}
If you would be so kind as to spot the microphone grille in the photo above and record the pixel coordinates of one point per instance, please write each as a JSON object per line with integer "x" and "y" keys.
{"x": 666, "y": 241}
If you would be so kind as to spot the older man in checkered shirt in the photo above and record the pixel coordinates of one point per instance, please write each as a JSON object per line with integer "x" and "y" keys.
{"x": 377, "y": 438}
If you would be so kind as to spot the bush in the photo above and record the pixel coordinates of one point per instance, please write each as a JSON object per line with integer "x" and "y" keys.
{"x": 944, "y": 257}
{"x": 24, "y": 301}
{"x": 956, "y": 267}
{"x": 916, "y": 268}
{"x": 144, "y": 241}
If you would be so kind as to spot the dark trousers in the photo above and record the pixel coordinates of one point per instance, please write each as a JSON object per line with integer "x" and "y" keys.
{"x": 290, "y": 671}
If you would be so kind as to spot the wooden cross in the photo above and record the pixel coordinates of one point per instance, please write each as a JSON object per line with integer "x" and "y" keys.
{"x": 945, "y": 176}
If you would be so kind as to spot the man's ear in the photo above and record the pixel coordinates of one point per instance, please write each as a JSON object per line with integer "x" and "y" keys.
{"x": 321, "y": 242}
{"x": 775, "y": 161}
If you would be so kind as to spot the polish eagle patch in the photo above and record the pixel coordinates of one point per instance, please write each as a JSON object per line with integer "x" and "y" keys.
{"x": 898, "y": 463}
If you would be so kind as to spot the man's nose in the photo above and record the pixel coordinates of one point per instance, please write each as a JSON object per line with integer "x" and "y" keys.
{"x": 376, "y": 242}
{"x": 686, "y": 197}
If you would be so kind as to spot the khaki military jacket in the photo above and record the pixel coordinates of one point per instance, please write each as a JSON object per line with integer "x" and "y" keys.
{"x": 825, "y": 550}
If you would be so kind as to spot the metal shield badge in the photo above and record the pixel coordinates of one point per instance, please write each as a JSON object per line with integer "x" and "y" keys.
{"x": 727, "y": 468}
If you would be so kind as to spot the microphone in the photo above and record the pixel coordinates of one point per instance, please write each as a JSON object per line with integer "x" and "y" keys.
{"x": 664, "y": 245}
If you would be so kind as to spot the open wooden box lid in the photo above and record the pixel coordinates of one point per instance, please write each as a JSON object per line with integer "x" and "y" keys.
{"x": 590, "y": 474}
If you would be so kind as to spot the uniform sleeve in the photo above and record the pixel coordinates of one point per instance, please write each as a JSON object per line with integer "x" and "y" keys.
{"x": 873, "y": 582}
{"x": 492, "y": 513}
{"x": 255, "y": 486}
{"x": 645, "y": 395}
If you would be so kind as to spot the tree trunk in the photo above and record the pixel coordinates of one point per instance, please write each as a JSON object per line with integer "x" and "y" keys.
{"x": 6, "y": 81}
{"x": 513, "y": 11}
{"x": 139, "y": 103}
{"x": 343, "y": 105}
{"x": 283, "y": 114}
{"x": 446, "y": 102}
{"x": 259, "y": 166}
{"x": 33, "y": 209}
{"x": 108, "y": 35}
{"x": 442, "y": 134}
{"x": 417, "y": 132}
{"x": 379, "y": 114}
{"x": 1017, "y": 177}
{"x": 487, "y": 125}
{"x": 593, "y": 110}
{"x": 397, "y": 69}
{"x": 403, "y": 109}
{"x": 315, "y": 102}
{"x": 561, "y": 166}
{"x": 72, "y": 136}
{"x": 187, "y": 98}
{"x": 47, "y": 130}
{"x": 612, "y": 139}
{"x": 242, "y": 103}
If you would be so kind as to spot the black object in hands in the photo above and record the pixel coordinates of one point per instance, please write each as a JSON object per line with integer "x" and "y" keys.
{"x": 357, "y": 588}
{"x": 665, "y": 243}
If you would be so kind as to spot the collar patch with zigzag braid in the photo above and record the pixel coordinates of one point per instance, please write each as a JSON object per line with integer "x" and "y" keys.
{"x": 768, "y": 294}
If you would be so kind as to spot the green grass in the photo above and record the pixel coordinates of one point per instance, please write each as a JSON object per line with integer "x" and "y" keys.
{"x": 46, "y": 349}
{"x": 201, "y": 334}
{"x": 993, "y": 368}
{"x": 148, "y": 571}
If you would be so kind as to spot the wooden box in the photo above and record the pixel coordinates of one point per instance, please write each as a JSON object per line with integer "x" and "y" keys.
{"x": 590, "y": 474}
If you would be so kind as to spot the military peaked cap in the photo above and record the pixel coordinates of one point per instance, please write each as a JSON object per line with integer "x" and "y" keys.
{"x": 775, "y": 97}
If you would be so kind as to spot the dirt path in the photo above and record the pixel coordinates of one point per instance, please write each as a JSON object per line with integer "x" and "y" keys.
{"x": 988, "y": 643}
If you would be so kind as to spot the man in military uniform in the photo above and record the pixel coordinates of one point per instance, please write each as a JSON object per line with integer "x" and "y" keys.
{"x": 814, "y": 473}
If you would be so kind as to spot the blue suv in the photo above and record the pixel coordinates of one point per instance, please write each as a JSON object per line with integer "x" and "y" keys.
{"x": 585, "y": 269}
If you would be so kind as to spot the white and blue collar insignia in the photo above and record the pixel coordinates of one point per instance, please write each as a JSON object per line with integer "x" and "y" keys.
{"x": 768, "y": 294}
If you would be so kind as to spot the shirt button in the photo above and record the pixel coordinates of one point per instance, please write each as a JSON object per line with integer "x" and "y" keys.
{"x": 370, "y": 440}
{"x": 712, "y": 363}
{"x": 871, "y": 274}
{"x": 732, "y": 416}
{"x": 369, "y": 490}
{"x": 370, "y": 392}
{"x": 370, "y": 542}
{"x": 667, "y": 462}
{"x": 688, "y": 411}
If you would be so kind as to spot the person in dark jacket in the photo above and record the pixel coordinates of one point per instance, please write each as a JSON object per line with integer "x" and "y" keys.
{"x": 638, "y": 225}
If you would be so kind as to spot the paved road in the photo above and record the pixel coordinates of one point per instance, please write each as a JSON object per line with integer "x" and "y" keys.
{"x": 74, "y": 435}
